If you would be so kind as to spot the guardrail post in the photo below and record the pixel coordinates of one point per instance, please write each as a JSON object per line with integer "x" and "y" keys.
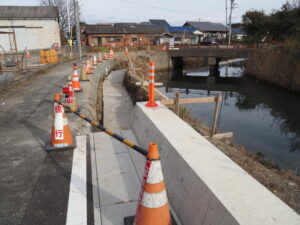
{"x": 177, "y": 98}
{"x": 216, "y": 113}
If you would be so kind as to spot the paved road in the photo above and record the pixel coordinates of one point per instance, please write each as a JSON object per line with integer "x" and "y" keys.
{"x": 34, "y": 185}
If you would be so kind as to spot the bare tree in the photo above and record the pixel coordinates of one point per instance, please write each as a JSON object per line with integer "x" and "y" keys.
{"x": 62, "y": 6}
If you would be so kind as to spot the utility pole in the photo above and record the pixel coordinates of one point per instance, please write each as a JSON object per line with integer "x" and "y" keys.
{"x": 78, "y": 39}
{"x": 226, "y": 24}
{"x": 230, "y": 20}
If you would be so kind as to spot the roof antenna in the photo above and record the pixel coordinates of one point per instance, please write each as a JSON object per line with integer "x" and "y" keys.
{"x": 199, "y": 19}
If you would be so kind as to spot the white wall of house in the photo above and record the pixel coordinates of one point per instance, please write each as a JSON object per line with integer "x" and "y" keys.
{"x": 37, "y": 34}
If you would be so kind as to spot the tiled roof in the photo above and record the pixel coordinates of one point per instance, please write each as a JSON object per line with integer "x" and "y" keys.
{"x": 160, "y": 23}
{"x": 124, "y": 30}
{"x": 206, "y": 26}
{"x": 28, "y": 12}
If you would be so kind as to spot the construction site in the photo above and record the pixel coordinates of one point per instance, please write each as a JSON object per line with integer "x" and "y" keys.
{"x": 88, "y": 137}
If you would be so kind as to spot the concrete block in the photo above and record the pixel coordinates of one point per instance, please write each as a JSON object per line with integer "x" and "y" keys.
{"x": 205, "y": 186}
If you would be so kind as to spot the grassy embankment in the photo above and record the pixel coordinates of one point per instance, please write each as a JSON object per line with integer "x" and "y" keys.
{"x": 279, "y": 66}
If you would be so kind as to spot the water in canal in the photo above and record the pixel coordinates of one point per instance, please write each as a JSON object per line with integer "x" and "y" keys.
{"x": 263, "y": 118}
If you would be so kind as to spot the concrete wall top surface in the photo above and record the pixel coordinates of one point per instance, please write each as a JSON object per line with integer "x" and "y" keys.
{"x": 204, "y": 185}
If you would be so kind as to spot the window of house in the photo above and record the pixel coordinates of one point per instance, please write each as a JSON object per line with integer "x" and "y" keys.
{"x": 113, "y": 39}
{"x": 134, "y": 39}
{"x": 177, "y": 39}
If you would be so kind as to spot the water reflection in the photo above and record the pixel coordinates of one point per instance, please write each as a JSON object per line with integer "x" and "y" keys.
{"x": 263, "y": 118}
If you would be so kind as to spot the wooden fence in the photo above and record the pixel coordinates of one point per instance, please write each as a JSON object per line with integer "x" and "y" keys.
{"x": 218, "y": 101}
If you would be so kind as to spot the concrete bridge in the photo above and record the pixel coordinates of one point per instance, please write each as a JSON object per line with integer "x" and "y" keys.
{"x": 211, "y": 52}
{"x": 214, "y": 56}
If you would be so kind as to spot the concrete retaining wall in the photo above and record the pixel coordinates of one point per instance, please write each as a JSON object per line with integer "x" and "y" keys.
{"x": 204, "y": 186}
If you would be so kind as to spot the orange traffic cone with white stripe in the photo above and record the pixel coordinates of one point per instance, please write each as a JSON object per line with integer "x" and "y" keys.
{"x": 105, "y": 56}
{"x": 74, "y": 68}
{"x": 75, "y": 80}
{"x": 111, "y": 54}
{"x": 28, "y": 55}
{"x": 88, "y": 67}
{"x": 99, "y": 57}
{"x": 126, "y": 51}
{"x": 71, "y": 98}
{"x": 153, "y": 208}
{"x": 61, "y": 136}
{"x": 95, "y": 61}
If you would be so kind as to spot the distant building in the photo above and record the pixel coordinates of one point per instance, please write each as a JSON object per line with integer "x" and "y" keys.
{"x": 130, "y": 35}
{"x": 185, "y": 35}
{"x": 209, "y": 30}
{"x": 238, "y": 31}
{"x": 160, "y": 23}
{"x": 35, "y": 27}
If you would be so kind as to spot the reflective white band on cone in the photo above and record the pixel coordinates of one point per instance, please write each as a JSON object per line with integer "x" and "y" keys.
{"x": 58, "y": 122}
{"x": 155, "y": 175}
{"x": 154, "y": 200}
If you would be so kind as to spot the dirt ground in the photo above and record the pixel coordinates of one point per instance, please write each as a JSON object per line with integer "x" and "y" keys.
{"x": 283, "y": 183}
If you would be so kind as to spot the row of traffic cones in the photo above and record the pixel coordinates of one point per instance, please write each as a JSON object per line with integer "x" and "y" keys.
{"x": 152, "y": 207}
{"x": 61, "y": 137}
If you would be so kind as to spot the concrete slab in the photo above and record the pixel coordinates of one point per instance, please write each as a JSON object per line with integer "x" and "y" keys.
{"x": 77, "y": 206}
{"x": 118, "y": 106}
{"x": 205, "y": 186}
{"x": 114, "y": 214}
{"x": 116, "y": 182}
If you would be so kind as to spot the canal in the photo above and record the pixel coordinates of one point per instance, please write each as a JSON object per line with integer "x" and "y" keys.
{"x": 264, "y": 119}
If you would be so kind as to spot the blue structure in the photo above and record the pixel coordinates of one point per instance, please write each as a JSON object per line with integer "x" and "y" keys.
{"x": 180, "y": 29}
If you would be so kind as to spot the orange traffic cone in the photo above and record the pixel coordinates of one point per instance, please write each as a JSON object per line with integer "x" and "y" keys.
{"x": 99, "y": 57}
{"x": 153, "y": 205}
{"x": 75, "y": 80}
{"x": 126, "y": 51}
{"x": 111, "y": 54}
{"x": 95, "y": 61}
{"x": 74, "y": 68}
{"x": 88, "y": 67}
{"x": 70, "y": 97}
{"x": 27, "y": 55}
{"x": 105, "y": 56}
{"x": 61, "y": 136}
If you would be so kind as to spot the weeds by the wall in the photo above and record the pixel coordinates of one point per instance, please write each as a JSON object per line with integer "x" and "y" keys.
{"x": 279, "y": 67}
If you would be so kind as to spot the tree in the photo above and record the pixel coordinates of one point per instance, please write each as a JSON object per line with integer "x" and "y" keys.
{"x": 255, "y": 25}
{"x": 62, "y": 11}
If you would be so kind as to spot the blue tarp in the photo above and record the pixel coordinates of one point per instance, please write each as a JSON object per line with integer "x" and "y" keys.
{"x": 178, "y": 29}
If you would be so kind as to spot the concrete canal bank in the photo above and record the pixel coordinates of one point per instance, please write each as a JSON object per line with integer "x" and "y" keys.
{"x": 204, "y": 186}
{"x": 284, "y": 184}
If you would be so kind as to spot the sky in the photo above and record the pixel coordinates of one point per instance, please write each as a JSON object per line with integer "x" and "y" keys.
{"x": 176, "y": 12}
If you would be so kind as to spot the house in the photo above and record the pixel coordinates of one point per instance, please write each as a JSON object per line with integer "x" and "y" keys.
{"x": 35, "y": 27}
{"x": 238, "y": 32}
{"x": 131, "y": 35}
{"x": 159, "y": 23}
{"x": 185, "y": 35}
{"x": 209, "y": 30}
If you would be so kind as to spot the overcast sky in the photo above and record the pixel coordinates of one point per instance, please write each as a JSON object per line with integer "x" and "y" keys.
{"x": 176, "y": 12}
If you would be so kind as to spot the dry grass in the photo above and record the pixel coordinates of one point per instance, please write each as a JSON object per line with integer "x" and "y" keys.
{"x": 280, "y": 67}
